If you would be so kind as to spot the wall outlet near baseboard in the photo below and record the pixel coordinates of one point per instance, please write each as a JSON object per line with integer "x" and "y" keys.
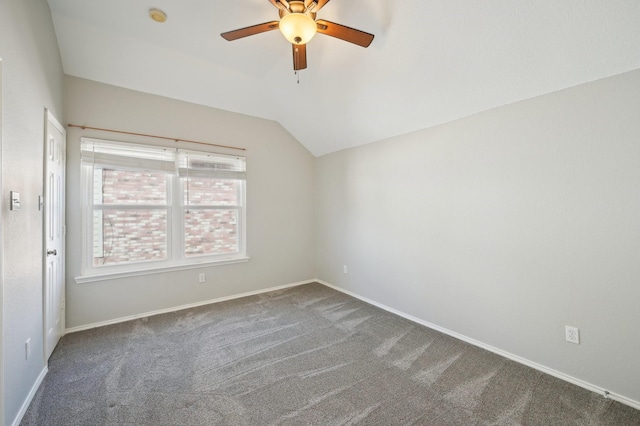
{"x": 572, "y": 334}
{"x": 201, "y": 278}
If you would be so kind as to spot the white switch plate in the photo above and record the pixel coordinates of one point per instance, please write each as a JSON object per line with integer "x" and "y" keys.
{"x": 201, "y": 278}
{"x": 345, "y": 269}
{"x": 14, "y": 200}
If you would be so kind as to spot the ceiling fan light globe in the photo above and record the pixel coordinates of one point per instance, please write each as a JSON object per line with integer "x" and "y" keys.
{"x": 298, "y": 28}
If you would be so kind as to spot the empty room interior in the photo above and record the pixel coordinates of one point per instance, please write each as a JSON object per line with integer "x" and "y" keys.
{"x": 320, "y": 212}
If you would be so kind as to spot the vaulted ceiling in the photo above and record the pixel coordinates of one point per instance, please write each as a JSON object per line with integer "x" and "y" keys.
{"x": 431, "y": 62}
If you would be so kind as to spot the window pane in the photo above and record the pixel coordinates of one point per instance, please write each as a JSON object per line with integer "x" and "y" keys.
{"x": 199, "y": 191}
{"x": 210, "y": 231}
{"x": 126, "y": 236}
{"x": 129, "y": 187}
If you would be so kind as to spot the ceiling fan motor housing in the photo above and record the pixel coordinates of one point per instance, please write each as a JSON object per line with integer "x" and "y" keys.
{"x": 297, "y": 6}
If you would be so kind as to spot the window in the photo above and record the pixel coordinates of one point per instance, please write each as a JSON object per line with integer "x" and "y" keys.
{"x": 150, "y": 207}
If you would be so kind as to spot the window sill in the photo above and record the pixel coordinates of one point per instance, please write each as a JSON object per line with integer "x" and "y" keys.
{"x": 83, "y": 279}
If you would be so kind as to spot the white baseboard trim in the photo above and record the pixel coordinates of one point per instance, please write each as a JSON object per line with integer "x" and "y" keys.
{"x": 181, "y": 307}
{"x": 29, "y": 398}
{"x": 607, "y": 394}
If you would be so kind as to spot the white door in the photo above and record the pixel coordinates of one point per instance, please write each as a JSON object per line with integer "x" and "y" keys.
{"x": 54, "y": 228}
{"x": 1, "y": 273}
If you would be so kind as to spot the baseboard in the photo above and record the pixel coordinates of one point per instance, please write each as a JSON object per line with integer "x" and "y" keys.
{"x": 607, "y": 394}
{"x": 181, "y": 307}
{"x": 29, "y": 398}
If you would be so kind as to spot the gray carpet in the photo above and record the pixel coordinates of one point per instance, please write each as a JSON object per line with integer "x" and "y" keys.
{"x": 308, "y": 355}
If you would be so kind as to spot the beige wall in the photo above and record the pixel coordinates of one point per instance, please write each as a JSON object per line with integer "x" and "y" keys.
{"x": 280, "y": 211}
{"x": 503, "y": 227}
{"x": 1, "y": 273}
{"x": 32, "y": 81}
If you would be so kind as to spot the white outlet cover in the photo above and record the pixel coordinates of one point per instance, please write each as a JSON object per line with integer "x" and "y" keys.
{"x": 572, "y": 334}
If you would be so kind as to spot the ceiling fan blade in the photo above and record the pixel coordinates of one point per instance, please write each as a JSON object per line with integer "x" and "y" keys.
{"x": 344, "y": 33}
{"x": 299, "y": 56}
{"x": 281, "y": 4}
{"x": 249, "y": 31}
{"x": 315, "y": 5}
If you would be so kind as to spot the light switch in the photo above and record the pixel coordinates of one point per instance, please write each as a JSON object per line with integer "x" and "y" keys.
{"x": 15, "y": 200}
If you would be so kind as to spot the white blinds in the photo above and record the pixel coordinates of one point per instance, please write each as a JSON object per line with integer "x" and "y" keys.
{"x": 102, "y": 153}
{"x": 204, "y": 164}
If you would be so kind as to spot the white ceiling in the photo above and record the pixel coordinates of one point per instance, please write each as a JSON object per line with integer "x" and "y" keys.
{"x": 432, "y": 61}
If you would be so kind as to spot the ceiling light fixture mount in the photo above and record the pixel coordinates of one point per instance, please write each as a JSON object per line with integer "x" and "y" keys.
{"x": 157, "y": 15}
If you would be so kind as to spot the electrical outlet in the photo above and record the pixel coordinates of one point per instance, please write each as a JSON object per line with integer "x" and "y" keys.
{"x": 345, "y": 269}
{"x": 201, "y": 278}
{"x": 572, "y": 334}
{"x": 27, "y": 349}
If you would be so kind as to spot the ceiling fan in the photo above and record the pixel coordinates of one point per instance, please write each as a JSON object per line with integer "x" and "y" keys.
{"x": 298, "y": 24}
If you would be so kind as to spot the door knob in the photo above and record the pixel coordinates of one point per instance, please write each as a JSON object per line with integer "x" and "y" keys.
{"x": 52, "y": 252}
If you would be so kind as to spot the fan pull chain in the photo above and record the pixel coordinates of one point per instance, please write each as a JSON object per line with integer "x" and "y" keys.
{"x": 298, "y": 76}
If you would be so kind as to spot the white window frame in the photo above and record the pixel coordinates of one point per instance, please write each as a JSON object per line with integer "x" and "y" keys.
{"x": 175, "y": 207}
{"x": 180, "y": 224}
